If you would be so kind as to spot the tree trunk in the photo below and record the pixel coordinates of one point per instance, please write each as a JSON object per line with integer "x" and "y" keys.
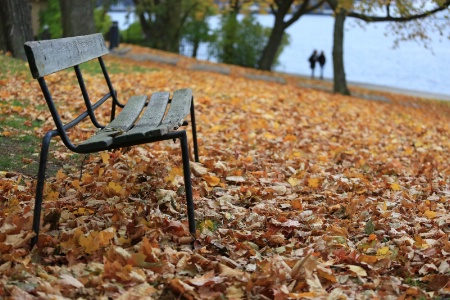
{"x": 15, "y": 27}
{"x": 340, "y": 82}
{"x": 229, "y": 28}
{"x": 171, "y": 20}
{"x": 270, "y": 50}
{"x": 161, "y": 24}
{"x": 281, "y": 9}
{"x": 77, "y": 17}
{"x": 195, "y": 46}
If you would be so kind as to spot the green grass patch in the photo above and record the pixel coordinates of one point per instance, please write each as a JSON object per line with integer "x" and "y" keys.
{"x": 93, "y": 67}
{"x": 20, "y": 147}
{"x": 10, "y": 66}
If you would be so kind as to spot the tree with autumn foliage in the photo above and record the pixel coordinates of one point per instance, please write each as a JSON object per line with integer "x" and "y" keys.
{"x": 380, "y": 11}
{"x": 162, "y": 22}
{"x": 197, "y": 29}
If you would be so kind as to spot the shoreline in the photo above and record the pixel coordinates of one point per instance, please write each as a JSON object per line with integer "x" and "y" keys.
{"x": 373, "y": 87}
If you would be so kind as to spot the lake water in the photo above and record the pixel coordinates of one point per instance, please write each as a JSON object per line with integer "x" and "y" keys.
{"x": 369, "y": 56}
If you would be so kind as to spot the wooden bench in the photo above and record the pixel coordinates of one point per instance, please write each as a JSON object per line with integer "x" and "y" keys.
{"x": 140, "y": 120}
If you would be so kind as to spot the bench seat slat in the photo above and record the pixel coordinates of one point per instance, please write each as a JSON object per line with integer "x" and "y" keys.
{"x": 178, "y": 110}
{"x": 123, "y": 122}
{"x": 152, "y": 117}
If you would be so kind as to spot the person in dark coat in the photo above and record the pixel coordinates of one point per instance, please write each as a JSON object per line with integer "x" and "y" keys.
{"x": 312, "y": 62}
{"x": 321, "y": 59}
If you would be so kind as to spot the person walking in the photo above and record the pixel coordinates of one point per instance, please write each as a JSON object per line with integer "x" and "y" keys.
{"x": 312, "y": 62}
{"x": 321, "y": 59}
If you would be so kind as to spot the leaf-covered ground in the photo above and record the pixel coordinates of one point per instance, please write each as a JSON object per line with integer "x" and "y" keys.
{"x": 300, "y": 194}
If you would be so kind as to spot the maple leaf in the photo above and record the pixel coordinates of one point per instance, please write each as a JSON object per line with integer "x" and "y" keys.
{"x": 396, "y": 187}
{"x": 430, "y": 214}
{"x": 105, "y": 157}
{"x": 313, "y": 182}
{"x": 89, "y": 243}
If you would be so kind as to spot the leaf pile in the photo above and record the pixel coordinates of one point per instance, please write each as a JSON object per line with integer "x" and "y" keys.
{"x": 300, "y": 194}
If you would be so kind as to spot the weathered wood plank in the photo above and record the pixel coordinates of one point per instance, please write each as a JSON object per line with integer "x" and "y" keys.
{"x": 46, "y": 57}
{"x": 178, "y": 110}
{"x": 123, "y": 122}
{"x": 151, "y": 118}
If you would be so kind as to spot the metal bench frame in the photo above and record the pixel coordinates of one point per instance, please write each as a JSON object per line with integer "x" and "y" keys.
{"x": 47, "y": 57}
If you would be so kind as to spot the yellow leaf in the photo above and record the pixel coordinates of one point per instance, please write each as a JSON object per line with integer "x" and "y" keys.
{"x": 313, "y": 182}
{"x": 357, "y": 270}
{"x": 269, "y": 136}
{"x": 53, "y": 195}
{"x": 383, "y": 250}
{"x": 173, "y": 174}
{"x": 105, "y": 157}
{"x": 106, "y": 235}
{"x": 212, "y": 180}
{"x": 384, "y": 206}
{"x": 396, "y": 187}
{"x": 83, "y": 211}
{"x": 76, "y": 183}
{"x": 430, "y": 214}
{"x": 60, "y": 174}
{"x": 115, "y": 187}
{"x": 208, "y": 224}
{"x": 122, "y": 240}
{"x": 90, "y": 243}
{"x": 293, "y": 181}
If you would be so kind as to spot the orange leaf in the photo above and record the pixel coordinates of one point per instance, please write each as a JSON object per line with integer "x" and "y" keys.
{"x": 106, "y": 235}
{"x": 212, "y": 180}
{"x": 313, "y": 182}
{"x": 76, "y": 183}
{"x": 368, "y": 259}
{"x": 60, "y": 174}
{"x": 327, "y": 276}
{"x": 297, "y": 204}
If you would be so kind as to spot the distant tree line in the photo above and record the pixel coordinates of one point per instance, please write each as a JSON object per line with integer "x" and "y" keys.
{"x": 163, "y": 24}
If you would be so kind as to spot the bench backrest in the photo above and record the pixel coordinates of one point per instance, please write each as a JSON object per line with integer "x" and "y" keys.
{"x": 50, "y": 56}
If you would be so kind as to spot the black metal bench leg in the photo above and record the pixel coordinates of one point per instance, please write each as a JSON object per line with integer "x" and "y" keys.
{"x": 187, "y": 182}
{"x": 194, "y": 131}
{"x": 40, "y": 185}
